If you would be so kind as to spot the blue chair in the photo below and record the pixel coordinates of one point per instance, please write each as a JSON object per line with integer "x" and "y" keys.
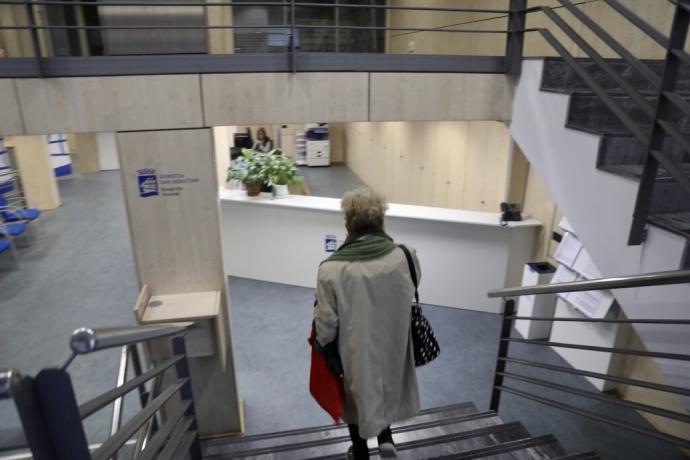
{"x": 16, "y": 214}
{"x": 13, "y": 229}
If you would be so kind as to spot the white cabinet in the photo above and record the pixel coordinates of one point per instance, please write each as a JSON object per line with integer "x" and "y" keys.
{"x": 318, "y": 153}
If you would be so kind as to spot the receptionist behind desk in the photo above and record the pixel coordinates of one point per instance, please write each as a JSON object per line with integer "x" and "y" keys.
{"x": 263, "y": 142}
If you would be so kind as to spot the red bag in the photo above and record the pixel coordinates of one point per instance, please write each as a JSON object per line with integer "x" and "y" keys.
{"x": 324, "y": 385}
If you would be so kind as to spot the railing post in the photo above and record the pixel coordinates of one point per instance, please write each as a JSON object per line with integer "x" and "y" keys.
{"x": 22, "y": 390}
{"x": 506, "y": 328}
{"x": 35, "y": 43}
{"x": 516, "y": 37}
{"x": 293, "y": 41}
{"x": 643, "y": 203}
{"x": 182, "y": 370}
{"x": 60, "y": 411}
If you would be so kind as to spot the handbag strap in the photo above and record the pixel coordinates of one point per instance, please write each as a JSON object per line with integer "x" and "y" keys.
{"x": 413, "y": 270}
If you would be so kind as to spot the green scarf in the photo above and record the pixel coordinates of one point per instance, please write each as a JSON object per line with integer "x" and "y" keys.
{"x": 363, "y": 246}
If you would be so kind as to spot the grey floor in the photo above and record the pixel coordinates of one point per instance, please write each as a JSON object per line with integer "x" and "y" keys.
{"x": 332, "y": 181}
{"x": 77, "y": 270}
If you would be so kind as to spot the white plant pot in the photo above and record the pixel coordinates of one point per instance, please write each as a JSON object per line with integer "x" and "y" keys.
{"x": 281, "y": 191}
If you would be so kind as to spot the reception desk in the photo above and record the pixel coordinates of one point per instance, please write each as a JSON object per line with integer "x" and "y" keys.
{"x": 463, "y": 254}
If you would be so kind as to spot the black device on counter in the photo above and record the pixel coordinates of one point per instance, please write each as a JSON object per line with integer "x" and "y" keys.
{"x": 510, "y": 212}
{"x": 243, "y": 140}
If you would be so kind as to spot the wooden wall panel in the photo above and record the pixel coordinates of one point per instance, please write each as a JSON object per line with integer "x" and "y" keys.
{"x": 239, "y": 99}
{"x": 15, "y": 43}
{"x": 93, "y": 104}
{"x": 10, "y": 115}
{"x": 413, "y": 96}
{"x": 539, "y": 205}
{"x": 476, "y": 44}
{"x": 175, "y": 238}
{"x": 659, "y": 13}
{"x": 177, "y": 249}
{"x": 220, "y": 41}
{"x": 85, "y": 148}
{"x": 460, "y": 165}
{"x": 635, "y": 367}
{"x": 36, "y": 171}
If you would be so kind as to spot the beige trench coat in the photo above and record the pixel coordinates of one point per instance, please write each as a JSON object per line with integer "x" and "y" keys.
{"x": 365, "y": 305}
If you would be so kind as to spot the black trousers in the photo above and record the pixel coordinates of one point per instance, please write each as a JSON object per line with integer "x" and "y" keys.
{"x": 360, "y": 449}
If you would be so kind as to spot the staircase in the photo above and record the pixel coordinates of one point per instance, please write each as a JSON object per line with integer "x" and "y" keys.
{"x": 458, "y": 431}
{"x": 590, "y": 166}
{"x": 619, "y": 152}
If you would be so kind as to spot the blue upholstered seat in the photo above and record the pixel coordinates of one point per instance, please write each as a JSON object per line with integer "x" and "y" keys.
{"x": 4, "y": 245}
{"x": 17, "y": 214}
{"x": 13, "y": 229}
{"x": 21, "y": 214}
{"x": 6, "y": 187}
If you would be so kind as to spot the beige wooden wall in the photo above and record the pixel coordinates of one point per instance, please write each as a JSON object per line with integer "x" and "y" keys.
{"x": 15, "y": 43}
{"x": 446, "y": 164}
{"x": 659, "y": 13}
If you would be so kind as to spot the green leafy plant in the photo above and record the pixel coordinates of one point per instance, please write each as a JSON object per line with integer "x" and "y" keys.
{"x": 253, "y": 170}
{"x": 281, "y": 170}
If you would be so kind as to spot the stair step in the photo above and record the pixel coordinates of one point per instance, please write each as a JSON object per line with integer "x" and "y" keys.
{"x": 515, "y": 447}
{"x": 559, "y": 77}
{"x": 259, "y": 441}
{"x": 480, "y": 443}
{"x": 625, "y": 150}
{"x": 424, "y": 442}
{"x": 676, "y": 222}
{"x": 589, "y": 113}
{"x": 580, "y": 456}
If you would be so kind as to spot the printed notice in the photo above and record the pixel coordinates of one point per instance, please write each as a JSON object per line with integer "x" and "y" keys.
{"x": 568, "y": 250}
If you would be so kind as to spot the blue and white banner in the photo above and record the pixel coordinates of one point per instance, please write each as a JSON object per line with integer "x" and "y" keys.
{"x": 60, "y": 155}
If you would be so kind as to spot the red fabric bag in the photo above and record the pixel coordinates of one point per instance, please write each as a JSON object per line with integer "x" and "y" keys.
{"x": 324, "y": 385}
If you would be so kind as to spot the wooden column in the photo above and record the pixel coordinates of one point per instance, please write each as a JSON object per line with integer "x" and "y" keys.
{"x": 85, "y": 147}
{"x": 171, "y": 193}
{"x": 35, "y": 171}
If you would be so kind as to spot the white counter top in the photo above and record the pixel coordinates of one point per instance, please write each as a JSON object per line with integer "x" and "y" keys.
{"x": 402, "y": 211}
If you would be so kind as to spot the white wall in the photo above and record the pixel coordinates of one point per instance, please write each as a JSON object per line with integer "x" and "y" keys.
{"x": 107, "y": 151}
{"x": 600, "y": 206}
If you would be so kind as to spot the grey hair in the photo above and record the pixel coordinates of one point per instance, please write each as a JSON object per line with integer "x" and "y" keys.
{"x": 364, "y": 209}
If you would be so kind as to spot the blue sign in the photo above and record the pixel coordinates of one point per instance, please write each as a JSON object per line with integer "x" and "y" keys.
{"x": 331, "y": 243}
{"x": 148, "y": 183}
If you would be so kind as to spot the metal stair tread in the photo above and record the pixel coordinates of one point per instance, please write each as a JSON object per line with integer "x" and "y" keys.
{"x": 339, "y": 435}
{"x": 465, "y": 408}
{"x": 580, "y": 456}
{"x": 416, "y": 449}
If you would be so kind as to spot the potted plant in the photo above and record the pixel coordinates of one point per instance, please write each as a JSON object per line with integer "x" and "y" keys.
{"x": 252, "y": 172}
{"x": 281, "y": 172}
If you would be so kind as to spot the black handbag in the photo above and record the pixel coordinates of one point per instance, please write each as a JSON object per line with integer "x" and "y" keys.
{"x": 424, "y": 341}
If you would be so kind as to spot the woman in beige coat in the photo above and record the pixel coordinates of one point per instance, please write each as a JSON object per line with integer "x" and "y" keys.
{"x": 364, "y": 293}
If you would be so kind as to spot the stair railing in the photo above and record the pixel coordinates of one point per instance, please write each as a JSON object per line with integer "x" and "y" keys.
{"x": 515, "y": 373}
{"x": 52, "y": 419}
{"x": 666, "y": 96}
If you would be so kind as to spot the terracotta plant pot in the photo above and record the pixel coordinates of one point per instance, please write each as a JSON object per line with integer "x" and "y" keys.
{"x": 253, "y": 190}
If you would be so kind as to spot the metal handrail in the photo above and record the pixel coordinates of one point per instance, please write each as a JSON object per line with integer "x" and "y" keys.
{"x": 85, "y": 340}
{"x": 9, "y": 380}
{"x": 619, "y": 282}
{"x": 281, "y": 4}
